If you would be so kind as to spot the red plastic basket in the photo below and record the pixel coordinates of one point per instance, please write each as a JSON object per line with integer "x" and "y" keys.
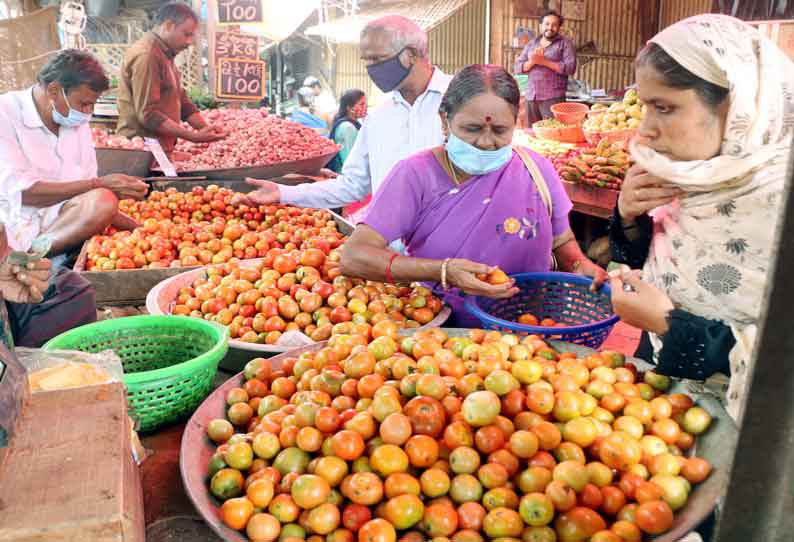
{"x": 570, "y": 112}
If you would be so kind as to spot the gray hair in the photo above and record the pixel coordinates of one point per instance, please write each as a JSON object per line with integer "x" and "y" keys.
{"x": 403, "y": 32}
{"x": 305, "y": 97}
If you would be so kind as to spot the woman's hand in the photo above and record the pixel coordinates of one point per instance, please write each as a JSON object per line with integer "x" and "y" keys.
{"x": 646, "y": 307}
{"x": 642, "y": 192}
{"x": 463, "y": 274}
{"x": 590, "y": 269}
{"x": 25, "y": 284}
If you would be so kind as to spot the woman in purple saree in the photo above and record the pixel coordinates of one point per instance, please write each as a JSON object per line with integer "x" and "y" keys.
{"x": 471, "y": 205}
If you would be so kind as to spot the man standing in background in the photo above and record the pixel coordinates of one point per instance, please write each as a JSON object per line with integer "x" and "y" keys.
{"x": 549, "y": 60}
{"x": 152, "y": 102}
{"x": 325, "y": 105}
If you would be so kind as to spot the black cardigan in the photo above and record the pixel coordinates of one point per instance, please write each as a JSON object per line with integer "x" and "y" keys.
{"x": 693, "y": 347}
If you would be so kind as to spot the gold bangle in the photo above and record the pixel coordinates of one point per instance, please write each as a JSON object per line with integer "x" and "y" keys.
{"x": 444, "y": 284}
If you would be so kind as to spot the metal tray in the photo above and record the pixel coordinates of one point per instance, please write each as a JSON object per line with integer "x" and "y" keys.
{"x": 127, "y": 161}
{"x": 308, "y": 165}
{"x": 716, "y": 445}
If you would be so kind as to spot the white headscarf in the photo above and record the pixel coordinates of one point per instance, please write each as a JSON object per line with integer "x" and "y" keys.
{"x": 712, "y": 248}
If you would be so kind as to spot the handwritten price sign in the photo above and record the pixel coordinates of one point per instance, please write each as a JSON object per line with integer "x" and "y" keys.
{"x": 236, "y": 45}
{"x": 240, "y": 11}
{"x": 240, "y": 79}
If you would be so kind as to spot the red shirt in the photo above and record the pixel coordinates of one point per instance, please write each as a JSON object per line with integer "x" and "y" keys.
{"x": 545, "y": 83}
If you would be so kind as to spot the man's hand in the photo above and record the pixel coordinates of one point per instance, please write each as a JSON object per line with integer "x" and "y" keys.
{"x": 463, "y": 274}
{"x": 124, "y": 186}
{"x": 267, "y": 192}
{"x": 208, "y": 134}
{"x": 25, "y": 284}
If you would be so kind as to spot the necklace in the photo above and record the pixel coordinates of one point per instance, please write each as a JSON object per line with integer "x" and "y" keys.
{"x": 452, "y": 169}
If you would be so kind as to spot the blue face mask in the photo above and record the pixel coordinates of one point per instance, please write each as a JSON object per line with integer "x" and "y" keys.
{"x": 75, "y": 118}
{"x": 476, "y": 161}
{"x": 387, "y": 75}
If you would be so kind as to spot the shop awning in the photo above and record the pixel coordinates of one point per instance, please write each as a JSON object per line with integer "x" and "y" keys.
{"x": 426, "y": 13}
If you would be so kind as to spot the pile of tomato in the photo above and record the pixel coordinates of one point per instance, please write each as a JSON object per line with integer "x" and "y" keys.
{"x": 378, "y": 437}
{"x": 299, "y": 290}
{"x": 202, "y": 227}
{"x": 256, "y": 138}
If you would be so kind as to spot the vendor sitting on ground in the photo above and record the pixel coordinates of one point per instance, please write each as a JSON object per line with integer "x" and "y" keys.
{"x": 473, "y": 203}
{"x": 39, "y": 306}
{"x": 48, "y": 165}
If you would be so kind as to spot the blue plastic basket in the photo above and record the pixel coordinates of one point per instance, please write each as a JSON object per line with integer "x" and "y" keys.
{"x": 564, "y": 297}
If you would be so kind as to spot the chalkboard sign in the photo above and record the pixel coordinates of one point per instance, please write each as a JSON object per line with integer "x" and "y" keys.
{"x": 240, "y": 11}
{"x": 236, "y": 45}
{"x": 240, "y": 79}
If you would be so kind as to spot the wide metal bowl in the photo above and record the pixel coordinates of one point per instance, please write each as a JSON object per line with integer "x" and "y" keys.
{"x": 716, "y": 445}
{"x": 126, "y": 161}
{"x": 308, "y": 165}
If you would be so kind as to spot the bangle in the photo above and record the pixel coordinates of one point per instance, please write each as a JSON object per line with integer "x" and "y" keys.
{"x": 389, "y": 278}
{"x": 444, "y": 265}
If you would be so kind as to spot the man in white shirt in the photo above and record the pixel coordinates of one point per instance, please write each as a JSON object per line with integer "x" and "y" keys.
{"x": 395, "y": 51}
{"x": 48, "y": 167}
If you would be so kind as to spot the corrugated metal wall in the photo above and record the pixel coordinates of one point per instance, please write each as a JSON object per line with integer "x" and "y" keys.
{"x": 455, "y": 43}
{"x": 677, "y": 10}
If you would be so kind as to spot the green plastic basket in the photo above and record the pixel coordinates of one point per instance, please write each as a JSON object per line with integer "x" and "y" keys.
{"x": 169, "y": 361}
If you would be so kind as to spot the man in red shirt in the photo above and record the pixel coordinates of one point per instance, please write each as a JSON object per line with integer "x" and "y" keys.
{"x": 549, "y": 60}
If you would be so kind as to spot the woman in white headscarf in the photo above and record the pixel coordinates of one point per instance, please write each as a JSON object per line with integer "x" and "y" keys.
{"x": 698, "y": 212}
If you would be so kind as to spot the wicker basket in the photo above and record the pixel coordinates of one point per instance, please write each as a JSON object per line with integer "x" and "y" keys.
{"x": 569, "y": 134}
{"x": 169, "y": 361}
{"x": 586, "y": 316}
{"x": 570, "y": 112}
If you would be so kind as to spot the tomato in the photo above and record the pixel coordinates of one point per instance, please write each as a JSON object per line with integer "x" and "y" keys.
{"x": 309, "y": 491}
{"x": 404, "y": 511}
{"x": 263, "y": 528}
{"x": 227, "y": 483}
{"x": 236, "y": 512}
{"x": 464, "y": 460}
{"x": 395, "y": 428}
{"x": 355, "y": 516}
{"x": 324, "y": 519}
{"x": 377, "y": 530}
{"x": 427, "y": 416}
{"x": 471, "y": 516}
{"x": 573, "y": 473}
{"x": 481, "y": 408}
{"x": 465, "y": 488}
{"x": 654, "y": 517}
{"x": 434, "y": 482}
{"x": 562, "y": 495}
{"x": 347, "y": 445}
{"x": 389, "y": 459}
{"x": 439, "y": 520}
{"x": 536, "y": 509}
{"x": 696, "y": 420}
{"x": 220, "y": 430}
{"x": 524, "y": 444}
{"x": 260, "y": 492}
{"x": 695, "y": 470}
{"x": 578, "y": 524}
{"x": 363, "y": 488}
{"x": 332, "y": 469}
{"x": 620, "y": 451}
{"x": 502, "y": 522}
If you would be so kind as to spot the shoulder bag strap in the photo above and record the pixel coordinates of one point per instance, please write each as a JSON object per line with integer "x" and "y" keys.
{"x": 537, "y": 178}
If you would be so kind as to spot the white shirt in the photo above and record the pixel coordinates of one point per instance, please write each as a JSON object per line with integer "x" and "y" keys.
{"x": 325, "y": 104}
{"x": 391, "y": 132}
{"x": 29, "y": 153}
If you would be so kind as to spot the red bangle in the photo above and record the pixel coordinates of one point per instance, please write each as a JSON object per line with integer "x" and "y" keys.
{"x": 389, "y": 278}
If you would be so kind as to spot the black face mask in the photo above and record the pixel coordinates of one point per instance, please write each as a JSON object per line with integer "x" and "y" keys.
{"x": 388, "y": 74}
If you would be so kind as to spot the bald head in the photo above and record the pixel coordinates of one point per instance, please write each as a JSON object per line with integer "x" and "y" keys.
{"x": 397, "y": 33}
